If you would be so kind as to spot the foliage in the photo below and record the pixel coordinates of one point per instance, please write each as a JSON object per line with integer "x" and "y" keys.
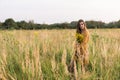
{"x": 10, "y": 24}
{"x": 30, "y": 25}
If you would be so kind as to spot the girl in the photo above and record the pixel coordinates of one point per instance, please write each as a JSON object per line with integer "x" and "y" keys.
{"x": 81, "y": 53}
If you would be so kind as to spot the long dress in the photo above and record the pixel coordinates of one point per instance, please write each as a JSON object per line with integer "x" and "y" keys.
{"x": 81, "y": 55}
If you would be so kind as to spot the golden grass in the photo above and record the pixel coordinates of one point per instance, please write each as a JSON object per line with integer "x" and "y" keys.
{"x": 45, "y": 54}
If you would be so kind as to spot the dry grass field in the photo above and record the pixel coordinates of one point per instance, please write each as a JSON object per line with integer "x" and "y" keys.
{"x": 45, "y": 54}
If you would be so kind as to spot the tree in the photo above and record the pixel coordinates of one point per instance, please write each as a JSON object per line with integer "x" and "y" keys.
{"x": 22, "y": 25}
{"x": 95, "y": 24}
{"x": 31, "y": 24}
{"x": 111, "y": 25}
{"x": 0, "y": 24}
{"x": 118, "y": 24}
{"x": 73, "y": 24}
{"x": 10, "y": 24}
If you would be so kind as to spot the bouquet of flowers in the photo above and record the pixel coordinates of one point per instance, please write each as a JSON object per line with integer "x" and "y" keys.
{"x": 79, "y": 38}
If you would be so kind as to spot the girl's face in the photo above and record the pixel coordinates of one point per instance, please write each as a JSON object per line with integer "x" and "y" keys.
{"x": 82, "y": 26}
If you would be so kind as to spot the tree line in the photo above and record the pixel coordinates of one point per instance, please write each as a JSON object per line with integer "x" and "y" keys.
{"x": 11, "y": 24}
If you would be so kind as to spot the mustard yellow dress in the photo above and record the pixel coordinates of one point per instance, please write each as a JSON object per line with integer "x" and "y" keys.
{"x": 81, "y": 54}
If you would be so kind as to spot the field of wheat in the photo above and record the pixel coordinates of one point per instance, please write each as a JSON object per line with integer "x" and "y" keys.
{"x": 46, "y": 54}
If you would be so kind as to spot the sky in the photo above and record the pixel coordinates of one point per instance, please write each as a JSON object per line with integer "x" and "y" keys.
{"x": 58, "y": 11}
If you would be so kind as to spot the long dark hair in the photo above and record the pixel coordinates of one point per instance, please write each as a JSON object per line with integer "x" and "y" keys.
{"x": 79, "y": 30}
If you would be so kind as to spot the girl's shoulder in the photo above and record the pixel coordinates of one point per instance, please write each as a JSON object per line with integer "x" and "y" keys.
{"x": 86, "y": 33}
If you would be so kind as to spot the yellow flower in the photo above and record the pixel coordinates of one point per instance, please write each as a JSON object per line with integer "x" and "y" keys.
{"x": 36, "y": 33}
{"x": 79, "y": 38}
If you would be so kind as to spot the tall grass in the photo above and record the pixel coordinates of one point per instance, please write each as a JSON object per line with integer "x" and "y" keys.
{"x": 45, "y": 55}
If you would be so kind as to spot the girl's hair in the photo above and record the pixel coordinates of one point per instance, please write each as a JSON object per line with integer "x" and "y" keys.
{"x": 79, "y": 30}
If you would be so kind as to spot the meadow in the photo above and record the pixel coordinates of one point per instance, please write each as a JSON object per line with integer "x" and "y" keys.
{"x": 46, "y": 54}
